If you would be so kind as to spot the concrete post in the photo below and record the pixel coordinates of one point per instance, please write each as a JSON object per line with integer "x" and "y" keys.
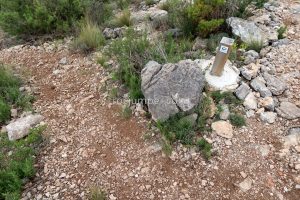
{"x": 222, "y": 55}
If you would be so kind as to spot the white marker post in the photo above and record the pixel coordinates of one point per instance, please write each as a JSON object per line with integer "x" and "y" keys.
{"x": 222, "y": 56}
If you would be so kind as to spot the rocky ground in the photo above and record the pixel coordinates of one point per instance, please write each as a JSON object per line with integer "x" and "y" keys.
{"x": 90, "y": 144}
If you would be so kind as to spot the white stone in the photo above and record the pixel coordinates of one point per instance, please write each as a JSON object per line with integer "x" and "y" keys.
{"x": 20, "y": 128}
{"x": 223, "y": 129}
{"x": 250, "y": 102}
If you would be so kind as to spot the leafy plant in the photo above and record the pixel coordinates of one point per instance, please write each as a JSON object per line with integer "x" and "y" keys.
{"x": 19, "y": 164}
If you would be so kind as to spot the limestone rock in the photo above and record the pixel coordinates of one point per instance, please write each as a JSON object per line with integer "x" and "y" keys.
{"x": 158, "y": 17}
{"x": 246, "y": 184}
{"x": 250, "y": 56}
{"x": 249, "y": 32}
{"x": 172, "y": 88}
{"x": 268, "y": 103}
{"x": 242, "y": 91}
{"x": 250, "y": 71}
{"x": 288, "y": 110}
{"x": 275, "y": 85}
{"x": 258, "y": 84}
{"x": 224, "y": 115}
{"x": 63, "y": 61}
{"x": 20, "y": 128}
{"x": 268, "y": 117}
{"x": 223, "y": 129}
{"x": 250, "y": 102}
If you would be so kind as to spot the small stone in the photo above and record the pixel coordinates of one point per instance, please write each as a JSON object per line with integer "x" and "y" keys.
{"x": 243, "y": 174}
{"x": 246, "y": 184}
{"x": 250, "y": 102}
{"x": 242, "y": 91}
{"x": 14, "y": 113}
{"x": 250, "y": 71}
{"x": 268, "y": 117}
{"x": 112, "y": 197}
{"x": 224, "y": 115}
{"x": 268, "y": 103}
{"x": 258, "y": 84}
{"x": 275, "y": 85}
{"x": 204, "y": 182}
{"x": 63, "y": 61}
{"x": 228, "y": 142}
{"x": 223, "y": 129}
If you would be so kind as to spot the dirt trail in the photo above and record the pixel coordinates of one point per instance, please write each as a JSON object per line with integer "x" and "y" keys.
{"x": 90, "y": 144}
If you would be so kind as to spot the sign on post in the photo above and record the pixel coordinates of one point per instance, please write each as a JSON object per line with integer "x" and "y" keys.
{"x": 222, "y": 55}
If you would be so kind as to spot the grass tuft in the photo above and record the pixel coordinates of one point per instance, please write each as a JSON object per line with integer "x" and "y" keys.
{"x": 97, "y": 194}
{"x": 205, "y": 148}
{"x": 237, "y": 120}
{"x": 90, "y": 38}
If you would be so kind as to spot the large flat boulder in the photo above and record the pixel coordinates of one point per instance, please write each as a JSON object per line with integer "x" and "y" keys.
{"x": 172, "y": 88}
{"x": 249, "y": 32}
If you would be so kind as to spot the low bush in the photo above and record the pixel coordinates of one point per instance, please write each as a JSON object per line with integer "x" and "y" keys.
{"x": 90, "y": 38}
{"x": 17, "y": 162}
{"x": 4, "y": 111}
{"x": 27, "y": 17}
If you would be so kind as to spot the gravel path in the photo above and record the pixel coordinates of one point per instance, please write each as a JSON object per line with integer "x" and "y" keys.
{"x": 90, "y": 144}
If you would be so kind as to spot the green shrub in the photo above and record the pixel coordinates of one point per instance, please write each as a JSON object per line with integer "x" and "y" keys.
{"x": 19, "y": 164}
{"x": 177, "y": 128}
{"x": 4, "y": 112}
{"x": 207, "y": 27}
{"x": 90, "y": 38}
{"x": 206, "y": 15}
{"x": 237, "y": 120}
{"x": 205, "y": 147}
{"x": 281, "y": 32}
{"x": 10, "y": 94}
{"x": 99, "y": 12}
{"x": 149, "y": 2}
{"x": 40, "y": 16}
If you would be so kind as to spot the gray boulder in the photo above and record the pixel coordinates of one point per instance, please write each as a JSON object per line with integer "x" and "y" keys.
{"x": 258, "y": 84}
{"x": 172, "y": 88}
{"x": 275, "y": 85}
{"x": 288, "y": 110}
{"x": 20, "y": 128}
